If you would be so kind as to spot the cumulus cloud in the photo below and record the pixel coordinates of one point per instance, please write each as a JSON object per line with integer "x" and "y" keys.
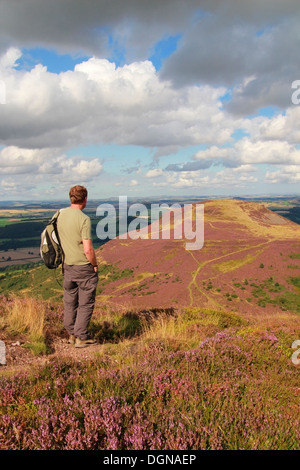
{"x": 46, "y": 113}
{"x": 154, "y": 173}
{"x": 259, "y": 40}
{"x": 201, "y": 180}
{"x": 247, "y": 152}
{"x": 284, "y": 126}
{"x": 133, "y": 183}
{"x": 23, "y": 169}
{"x": 99, "y": 102}
{"x": 222, "y": 43}
{"x": 88, "y": 27}
{"x": 232, "y": 59}
{"x": 288, "y": 174}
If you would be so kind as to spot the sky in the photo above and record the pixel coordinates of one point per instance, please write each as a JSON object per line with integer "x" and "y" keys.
{"x": 149, "y": 99}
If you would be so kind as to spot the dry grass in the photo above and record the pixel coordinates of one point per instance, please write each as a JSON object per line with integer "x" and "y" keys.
{"x": 190, "y": 379}
{"x": 253, "y": 216}
{"x": 25, "y": 316}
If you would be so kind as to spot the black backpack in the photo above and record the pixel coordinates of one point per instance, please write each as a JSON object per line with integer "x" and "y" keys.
{"x": 50, "y": 249}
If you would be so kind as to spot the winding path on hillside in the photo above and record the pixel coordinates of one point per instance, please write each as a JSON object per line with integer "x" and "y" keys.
{"x": 201, "y": 265}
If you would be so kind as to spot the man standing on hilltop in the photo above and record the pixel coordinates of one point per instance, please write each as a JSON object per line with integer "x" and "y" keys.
{"x": 80, "y": 267}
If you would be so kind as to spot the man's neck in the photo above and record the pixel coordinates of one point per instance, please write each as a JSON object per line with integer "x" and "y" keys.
{"x": 77, "y": 206}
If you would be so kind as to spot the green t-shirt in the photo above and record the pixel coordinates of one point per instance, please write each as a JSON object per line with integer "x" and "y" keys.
{"x": 73, "y": 226}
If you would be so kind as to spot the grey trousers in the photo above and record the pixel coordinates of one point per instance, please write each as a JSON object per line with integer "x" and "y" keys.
{"x": 80, "y": 283}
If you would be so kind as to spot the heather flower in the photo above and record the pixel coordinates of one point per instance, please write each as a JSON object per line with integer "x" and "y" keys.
{"x": 233, "y": 391}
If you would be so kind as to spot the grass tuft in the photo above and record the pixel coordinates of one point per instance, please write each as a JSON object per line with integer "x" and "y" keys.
{"x": 25, "y": 316}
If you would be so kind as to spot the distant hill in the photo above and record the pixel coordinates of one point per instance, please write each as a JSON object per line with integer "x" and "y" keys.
{"x": 250, "y": 262}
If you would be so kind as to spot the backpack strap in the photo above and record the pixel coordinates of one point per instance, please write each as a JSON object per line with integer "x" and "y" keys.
{"x": 54, "y": 221}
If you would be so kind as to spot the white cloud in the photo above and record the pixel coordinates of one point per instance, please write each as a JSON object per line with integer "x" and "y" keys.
{"x": 247, "y": 152}
{"x": 234, "y": 42}
{"x": 285, "y": 126}
{"x": 289, "y": 174}
{"x": 154, "y": 173}
{"x": 133, "y": 183}
{"x": 101, "y": 103}
{"x": 10, "y": 57}
{"x": 8, "y": 184}
{"x": 203, "y": 179}
{"x": 98, "y": 102}
{"x": 89, "y": 27}
{"x": 46, "y": 162}
{"x": 232, "y": 59}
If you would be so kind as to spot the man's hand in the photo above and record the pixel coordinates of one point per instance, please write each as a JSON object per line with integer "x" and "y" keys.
{"x": 90, "y": 253}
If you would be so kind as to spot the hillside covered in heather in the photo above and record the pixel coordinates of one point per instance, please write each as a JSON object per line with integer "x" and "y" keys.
{"x": 196, "y": 349}
{"x": 249, "y": 261}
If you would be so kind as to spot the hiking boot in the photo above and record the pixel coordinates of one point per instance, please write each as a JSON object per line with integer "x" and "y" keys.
{"x": 83, "y": 343}
{"x": 71, "y": 339}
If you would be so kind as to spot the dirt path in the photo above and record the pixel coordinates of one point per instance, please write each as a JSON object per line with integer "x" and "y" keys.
{"x": 204, "y": 263}
{"x": 20, "y": 359}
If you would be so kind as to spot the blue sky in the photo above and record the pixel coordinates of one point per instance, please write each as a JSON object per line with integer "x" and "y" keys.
{"x": 139, "y": 99}
{"x": 55, "y": 62}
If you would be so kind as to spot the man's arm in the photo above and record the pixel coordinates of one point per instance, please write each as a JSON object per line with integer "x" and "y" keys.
{"x": 90, "y": 253}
